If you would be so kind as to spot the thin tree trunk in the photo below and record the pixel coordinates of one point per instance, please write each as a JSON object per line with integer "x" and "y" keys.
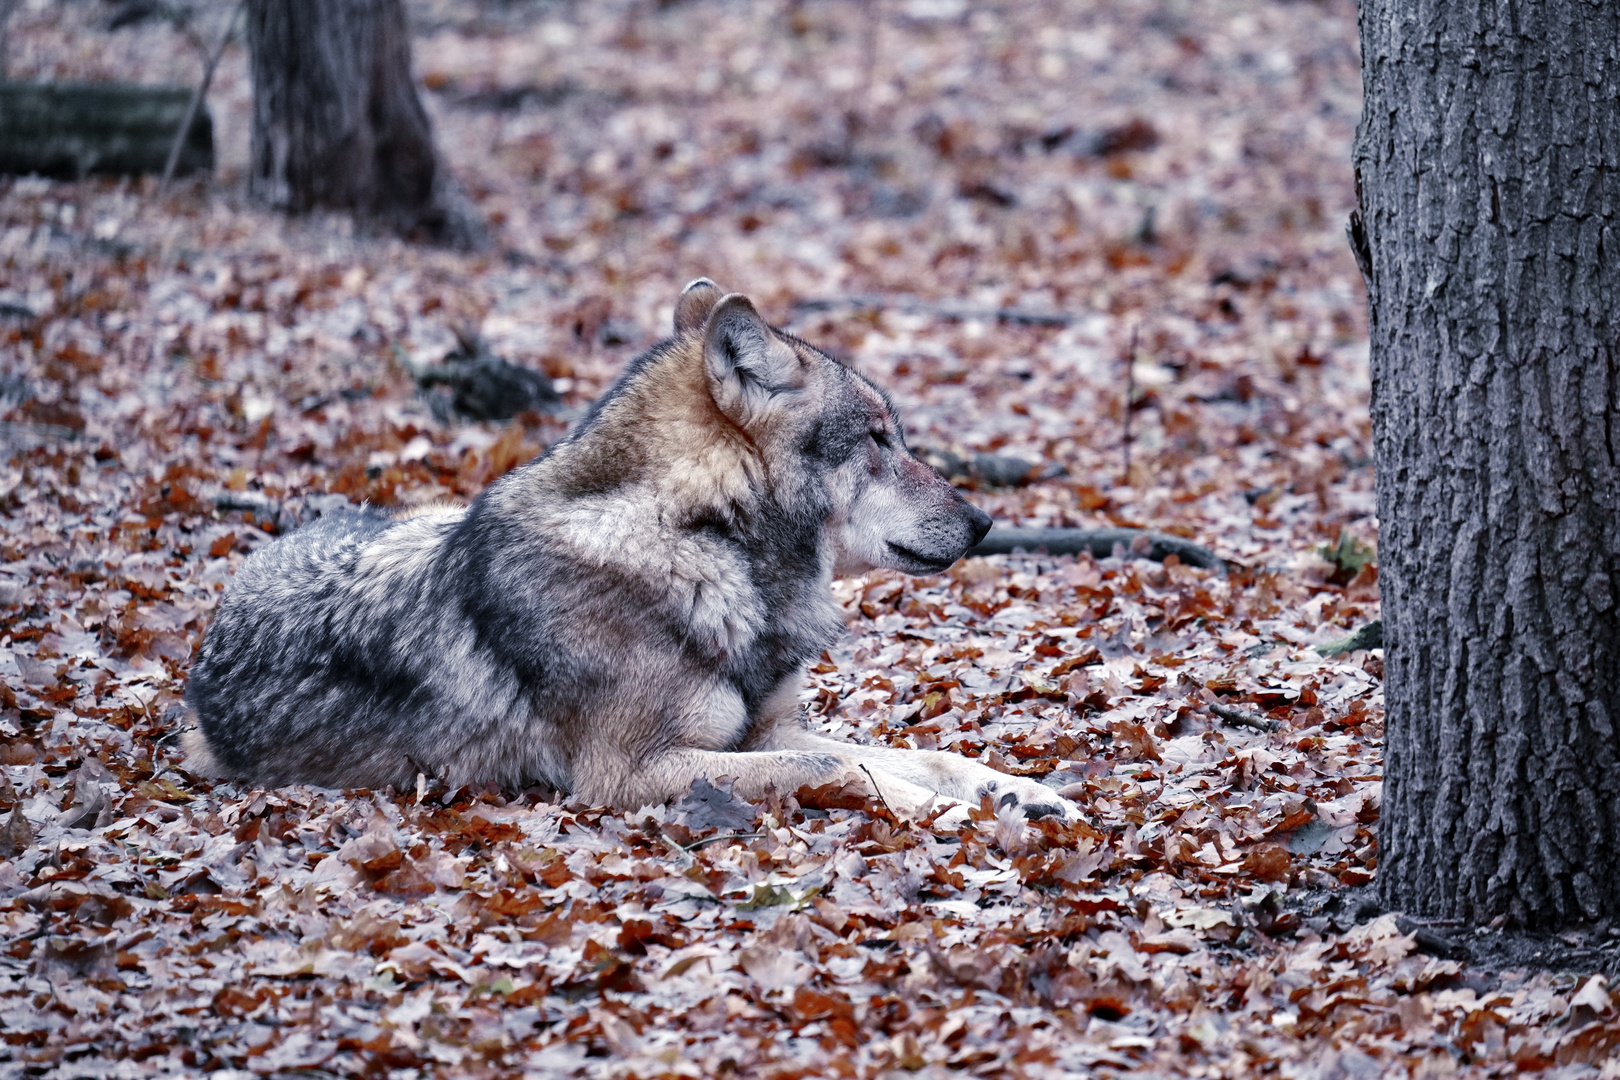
{"x": 1488, "y": 171}
{"x": 337, "y": 122}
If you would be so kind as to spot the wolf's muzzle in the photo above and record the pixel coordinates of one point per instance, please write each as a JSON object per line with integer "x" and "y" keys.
{"x": 980, "y": 523}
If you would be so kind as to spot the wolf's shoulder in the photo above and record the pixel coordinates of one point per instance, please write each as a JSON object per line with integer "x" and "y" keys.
{"x": 336, "y": 530}
{"x": 329, "y": 537}
{"x": 349, "y": 523}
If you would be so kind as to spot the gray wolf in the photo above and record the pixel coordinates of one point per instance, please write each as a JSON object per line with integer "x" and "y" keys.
{"x": 628, "y": 613}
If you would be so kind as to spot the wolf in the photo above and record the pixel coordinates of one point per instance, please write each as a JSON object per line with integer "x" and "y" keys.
{"x": 626, "y": 614}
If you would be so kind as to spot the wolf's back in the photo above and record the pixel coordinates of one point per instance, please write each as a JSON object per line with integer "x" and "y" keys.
{"x": 317, "y": 652}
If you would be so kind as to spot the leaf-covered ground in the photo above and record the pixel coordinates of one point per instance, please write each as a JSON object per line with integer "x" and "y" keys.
{"x": 981, "y": 205}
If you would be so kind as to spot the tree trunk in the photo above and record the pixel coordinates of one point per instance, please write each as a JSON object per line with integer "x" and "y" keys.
{"x": 1488, "y": 175}
{"x": 337, "y": 122}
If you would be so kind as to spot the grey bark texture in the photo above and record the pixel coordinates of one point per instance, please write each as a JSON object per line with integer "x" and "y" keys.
{"x": 70, "y": 131}
{"x": 337, "y": 122}
{"x": 1488, "y": 172}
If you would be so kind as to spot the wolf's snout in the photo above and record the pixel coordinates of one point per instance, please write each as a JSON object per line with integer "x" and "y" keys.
{"x": 979, "y": 521}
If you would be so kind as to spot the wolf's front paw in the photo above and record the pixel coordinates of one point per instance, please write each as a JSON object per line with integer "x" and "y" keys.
{"x": 1035, "y": 800}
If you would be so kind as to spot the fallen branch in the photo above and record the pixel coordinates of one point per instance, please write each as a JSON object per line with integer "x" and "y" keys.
{"x": 483, "y": 386}
{"x": 261, "y": 506}
{"x": 942, "y": 309}
{"x": 881, "y": 799}
{"x": 71, "y": 131}
{"x": 1101, "y": 543}
{"x": 1242, "y": 718}
{"x": 1429, "y": 941}
{"x": 25, "y": 434}
{"x": 707, "y": 840}
{"x": 210, "y": 62}
{"x": 281, "y": 516}
{"x": 1370, "y": 636}
{"x": 1125, "y": 407}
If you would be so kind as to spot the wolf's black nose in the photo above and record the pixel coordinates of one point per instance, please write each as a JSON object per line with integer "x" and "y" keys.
{"x": 981, "y": 523}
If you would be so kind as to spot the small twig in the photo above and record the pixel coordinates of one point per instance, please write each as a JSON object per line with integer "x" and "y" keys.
{"x": 264, "y": 509}
{"x": 197, "y": 97}
{"x": 159, "y": 741}
{"x": 179, "y": 17}
{"x": 159, "y": 770}
{"x": 879, "y": 791}
{"x": 1242, "y": 718}
{"x": 707, "y": 840}
{"x": 1130, "y": 392}
{"x": 675, "y": 848}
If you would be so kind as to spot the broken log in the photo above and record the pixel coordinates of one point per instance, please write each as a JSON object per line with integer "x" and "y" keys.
{"x": 1243, "y": 718}
{"x": 484, "y": 386}
{"x": 68, "y": 131}
{"x": 1003, "y": 539}
{"x": 1370, "y": 636}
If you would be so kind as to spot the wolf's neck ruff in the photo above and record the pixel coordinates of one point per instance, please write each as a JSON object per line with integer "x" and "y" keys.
{"x": 628, "y": 613}
{"x": 660, "y": 428}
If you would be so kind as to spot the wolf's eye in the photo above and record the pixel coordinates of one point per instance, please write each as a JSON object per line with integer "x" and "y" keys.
{"x": 881, "y": 438}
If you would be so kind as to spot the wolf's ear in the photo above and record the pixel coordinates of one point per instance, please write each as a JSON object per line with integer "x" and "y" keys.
{"x": 697, "y": 300}
{"x": 746, "y": 363}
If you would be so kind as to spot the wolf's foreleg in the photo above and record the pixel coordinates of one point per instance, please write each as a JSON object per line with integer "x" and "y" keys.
{"x": 671, "y": 775}
{"x": 950, "y": 775}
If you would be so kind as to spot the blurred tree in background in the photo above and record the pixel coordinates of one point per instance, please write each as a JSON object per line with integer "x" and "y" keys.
{"x": 337, "y": 122}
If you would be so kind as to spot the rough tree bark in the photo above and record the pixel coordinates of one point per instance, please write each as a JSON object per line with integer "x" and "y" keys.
{"x": 1488, "y": 172}
{"x": 337, "y": 122}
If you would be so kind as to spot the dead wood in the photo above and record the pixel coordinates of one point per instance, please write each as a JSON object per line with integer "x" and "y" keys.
{"x": 482, "y": 385}
{"x": 1242, "y": 718}
{"x": 1370, "y": 636}
{"x": 69, "y": 131}
{"x": 1101, "y": 543}
{"x": 198, "y": 96}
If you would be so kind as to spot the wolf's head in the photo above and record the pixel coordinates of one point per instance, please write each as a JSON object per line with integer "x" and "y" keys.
{"x": 826, "y": 438}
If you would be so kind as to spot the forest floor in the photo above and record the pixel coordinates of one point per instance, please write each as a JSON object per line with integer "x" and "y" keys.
{"x": 983, "y": 206}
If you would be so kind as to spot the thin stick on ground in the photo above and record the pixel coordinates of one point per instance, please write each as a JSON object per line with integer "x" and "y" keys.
{"x": 879, "y": 791}
{"x": 209, "y": 64}
{"x": 1130, "y": 393}
{"x": 707, "y": 840}
{"x": 1242, "y": 718}
{"x": 1004, "y": 538}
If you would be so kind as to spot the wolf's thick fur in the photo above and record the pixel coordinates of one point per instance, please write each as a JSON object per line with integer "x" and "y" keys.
{"x": 624, "y": 615}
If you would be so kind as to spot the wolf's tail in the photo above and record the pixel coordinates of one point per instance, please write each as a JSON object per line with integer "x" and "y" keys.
{"x": 200, "y": 759}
